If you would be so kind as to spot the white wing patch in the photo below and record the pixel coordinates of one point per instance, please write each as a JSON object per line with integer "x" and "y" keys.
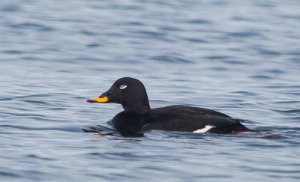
{"x": 205, "y": 129}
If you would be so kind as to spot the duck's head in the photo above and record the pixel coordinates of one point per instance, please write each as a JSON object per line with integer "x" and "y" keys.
{"x": 129, "y": 92}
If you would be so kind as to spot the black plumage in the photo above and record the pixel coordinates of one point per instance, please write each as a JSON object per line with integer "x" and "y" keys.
{"x": 138, "y": 117}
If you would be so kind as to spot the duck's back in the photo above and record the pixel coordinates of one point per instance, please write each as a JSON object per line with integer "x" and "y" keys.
{"x": 188, "y": 110}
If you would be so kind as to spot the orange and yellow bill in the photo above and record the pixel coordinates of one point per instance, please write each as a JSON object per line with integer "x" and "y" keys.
{"x": 98, "y": 99}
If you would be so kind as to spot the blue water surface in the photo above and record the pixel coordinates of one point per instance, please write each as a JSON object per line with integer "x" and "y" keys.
{"x": 237, "y": 57}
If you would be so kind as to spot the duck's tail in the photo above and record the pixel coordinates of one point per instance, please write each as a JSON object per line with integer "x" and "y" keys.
{"x": 240, "y": 128}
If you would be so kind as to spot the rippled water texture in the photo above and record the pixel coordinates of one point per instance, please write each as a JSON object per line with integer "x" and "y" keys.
{"x": 238, "y": 57}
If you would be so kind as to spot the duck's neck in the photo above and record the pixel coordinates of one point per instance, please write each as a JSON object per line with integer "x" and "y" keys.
{"x": 137, "y": 108}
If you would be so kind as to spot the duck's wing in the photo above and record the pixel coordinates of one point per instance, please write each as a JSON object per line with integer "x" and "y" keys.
{"x": 185, "y": 118}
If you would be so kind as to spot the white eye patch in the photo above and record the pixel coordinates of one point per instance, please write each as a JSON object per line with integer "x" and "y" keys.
{"x": 123, "y": 87}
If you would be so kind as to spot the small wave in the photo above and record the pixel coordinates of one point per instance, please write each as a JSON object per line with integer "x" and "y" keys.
{"x": 98, "y": 128}
{"x": 10, "y": 8}
{"x": 66, "y": 129}
{"x": 12, "y": 52}
{"x": 106, "y": 131}
{"x": 226, "y": 59}
{"x": 88, "y": 32}
{"x": 199, "y": 21}
{"x": 8, "y": 174}
{"x": 195, "y": 40}
{"x": 148, "y": 33}
{"x": 268, "y": 52}
{"x": 289, "y": 111}
{"x": 247, "y": 93}
{"x": 6, "y": 99}
{"x": 34, "y": 156}
{"x": 249, "y": 34}
{"x": 283, "y": 134}
{"x": 33, "y": 26}
{"x": 170, "y": 59}
{"x": 261, "y": 77}
{"x": 93, "y": 45}
{"x": 36, "y": 102}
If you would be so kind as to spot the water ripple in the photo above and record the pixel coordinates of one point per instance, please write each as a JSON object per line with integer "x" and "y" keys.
{"x": 241, "y": 58}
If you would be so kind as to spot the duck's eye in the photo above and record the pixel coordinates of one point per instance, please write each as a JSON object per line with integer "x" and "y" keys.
{"x": 122, "y": 87}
